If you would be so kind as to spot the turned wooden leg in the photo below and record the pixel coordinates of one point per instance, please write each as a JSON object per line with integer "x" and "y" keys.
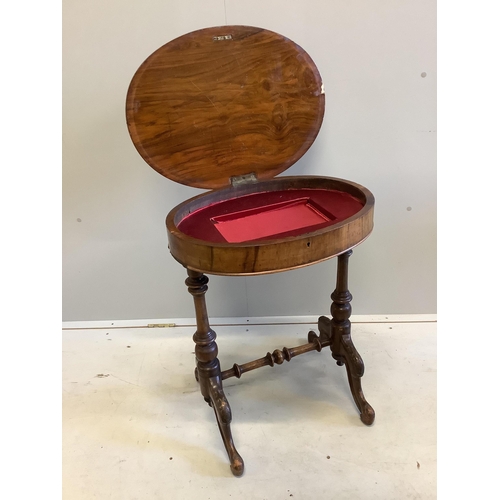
{"x": 208, "y": 372}
{"x": 339, "y": 329}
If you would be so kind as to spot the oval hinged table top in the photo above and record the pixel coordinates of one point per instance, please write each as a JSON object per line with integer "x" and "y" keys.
{"x": 225, "y": 102}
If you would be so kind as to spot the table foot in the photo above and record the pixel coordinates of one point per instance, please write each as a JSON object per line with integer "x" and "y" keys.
{"x": 355, "y": 369}
{"x": 223, "y": 414}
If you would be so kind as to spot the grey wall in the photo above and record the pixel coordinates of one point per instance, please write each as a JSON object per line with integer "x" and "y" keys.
{"x": 379, "y": 130}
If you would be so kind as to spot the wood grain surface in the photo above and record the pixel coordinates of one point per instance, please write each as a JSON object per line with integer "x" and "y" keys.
{"x": 223, "y": 102}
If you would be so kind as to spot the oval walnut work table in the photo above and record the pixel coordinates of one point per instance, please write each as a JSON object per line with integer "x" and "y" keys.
{"x": 227, "y": 109}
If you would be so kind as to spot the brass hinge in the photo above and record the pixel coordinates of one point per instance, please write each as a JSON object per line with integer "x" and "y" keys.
{"x": 238, "y": 180}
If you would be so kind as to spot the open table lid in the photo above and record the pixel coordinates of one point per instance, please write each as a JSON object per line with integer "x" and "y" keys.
{"x": 225, "y": 102}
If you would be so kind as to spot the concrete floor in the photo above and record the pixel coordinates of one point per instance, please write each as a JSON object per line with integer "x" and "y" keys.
{"x": 136, "y": 427}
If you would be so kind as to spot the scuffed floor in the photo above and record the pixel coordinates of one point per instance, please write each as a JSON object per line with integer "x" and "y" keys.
{"x": 136, "y": 427}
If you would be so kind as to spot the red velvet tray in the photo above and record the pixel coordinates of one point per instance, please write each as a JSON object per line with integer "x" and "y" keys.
{"x": 269, "y": 215}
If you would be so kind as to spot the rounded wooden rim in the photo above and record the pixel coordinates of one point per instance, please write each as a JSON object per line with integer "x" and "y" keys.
{"x": 269, "y": 256}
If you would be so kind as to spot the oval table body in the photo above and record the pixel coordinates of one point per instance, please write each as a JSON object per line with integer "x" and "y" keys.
{"x": 274, "y": 253}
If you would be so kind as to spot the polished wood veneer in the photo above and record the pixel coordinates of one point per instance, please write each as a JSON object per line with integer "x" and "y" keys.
{"x": 201, "y": 110}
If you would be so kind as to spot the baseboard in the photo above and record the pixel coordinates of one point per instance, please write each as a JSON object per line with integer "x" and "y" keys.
{"x": 267, "y": 320}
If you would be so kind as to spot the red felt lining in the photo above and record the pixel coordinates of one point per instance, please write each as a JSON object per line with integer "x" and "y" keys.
{"x": 269, "y": 215}
{"x": 269, "y": 220}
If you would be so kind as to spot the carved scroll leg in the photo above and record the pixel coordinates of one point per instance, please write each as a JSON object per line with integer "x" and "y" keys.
{"x": 355, "y": 369}
{"x": 343, "y": 349}
{"x": 223, "y": 414}
{"x": 208, "y": 372}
